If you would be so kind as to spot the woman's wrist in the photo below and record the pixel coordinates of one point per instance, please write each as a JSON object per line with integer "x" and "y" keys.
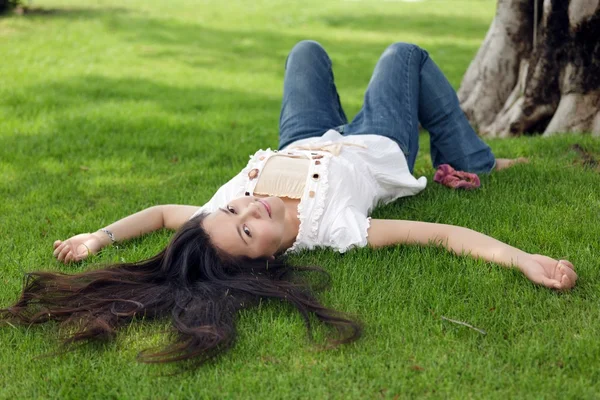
{"x": 104, "y": 238}
{"x": 523, "y": 261}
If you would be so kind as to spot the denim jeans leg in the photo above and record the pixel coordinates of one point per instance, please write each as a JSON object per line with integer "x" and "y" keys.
{"x": 311, "y": 104}
{"x": 452, "y": 139}
{"x": 407, "y": 88}
{"x": 390, "y": 105}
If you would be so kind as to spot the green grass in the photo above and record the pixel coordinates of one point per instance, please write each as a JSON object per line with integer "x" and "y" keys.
{"x": 109, "y": 107}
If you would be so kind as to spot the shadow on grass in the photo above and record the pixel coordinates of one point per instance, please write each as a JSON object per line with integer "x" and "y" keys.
{"x": 114, "y": 131}
{"x": 34, "y": 12}
{"x": 264, "y": 51}
{"x": 76, "y": 91}
{"x": 426, "y": 25}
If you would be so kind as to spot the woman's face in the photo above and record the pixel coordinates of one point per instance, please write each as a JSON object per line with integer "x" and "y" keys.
{"x": 248, "y": 226}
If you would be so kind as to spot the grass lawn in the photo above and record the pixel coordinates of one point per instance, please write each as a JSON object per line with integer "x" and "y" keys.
{"x": 108, "y": 107}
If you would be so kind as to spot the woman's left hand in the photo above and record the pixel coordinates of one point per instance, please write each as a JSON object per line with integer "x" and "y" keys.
{"x": 78, "y": 247}
{"x": 549, "y": 272}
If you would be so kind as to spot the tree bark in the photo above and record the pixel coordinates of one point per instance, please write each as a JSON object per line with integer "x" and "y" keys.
{"x": 536, "y": 74}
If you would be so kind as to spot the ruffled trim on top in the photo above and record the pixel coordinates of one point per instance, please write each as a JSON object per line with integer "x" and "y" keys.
{"x": 319, "y": 205}
{"x": 301, "y": 218}
{"x": 313, "y": 214}
{"x": 253, "y": 159}
{"x": 365, "y": 230}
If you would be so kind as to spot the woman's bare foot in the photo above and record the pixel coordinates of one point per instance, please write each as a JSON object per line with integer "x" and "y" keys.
{"x": 503, "y": 163}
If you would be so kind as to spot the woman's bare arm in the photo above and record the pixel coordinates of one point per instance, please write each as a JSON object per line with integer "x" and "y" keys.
{"x": 170, "y": 216}
{"x": 463, "y": 241}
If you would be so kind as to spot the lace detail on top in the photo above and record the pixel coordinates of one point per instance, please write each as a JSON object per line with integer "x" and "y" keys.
{"x": 283, "y": 176}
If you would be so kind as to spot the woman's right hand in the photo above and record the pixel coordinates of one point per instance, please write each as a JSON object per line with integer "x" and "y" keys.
{"x": 549, "y": 272}
{"x": 77, "y": 248}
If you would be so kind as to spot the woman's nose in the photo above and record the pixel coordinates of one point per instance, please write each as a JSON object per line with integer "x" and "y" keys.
{"x": 252, "y": 210}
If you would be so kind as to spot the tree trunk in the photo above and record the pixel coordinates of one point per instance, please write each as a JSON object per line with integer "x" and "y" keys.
{"x": 536, "y": 74}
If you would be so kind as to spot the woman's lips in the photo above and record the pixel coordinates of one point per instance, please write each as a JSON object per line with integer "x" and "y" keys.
{"x": 267, "y": 206}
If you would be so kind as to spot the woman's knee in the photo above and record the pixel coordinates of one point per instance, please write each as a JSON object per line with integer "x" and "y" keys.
{"x": 307, "y": 50}
{"x": 403, "y": 49}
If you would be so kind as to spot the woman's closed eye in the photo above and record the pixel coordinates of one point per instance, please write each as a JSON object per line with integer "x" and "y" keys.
{"x": 244, "y": 228}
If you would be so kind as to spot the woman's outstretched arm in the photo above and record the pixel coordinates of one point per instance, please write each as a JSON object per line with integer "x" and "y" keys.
{"x": 539, "y": 269}
{"x": 79, "y": 247}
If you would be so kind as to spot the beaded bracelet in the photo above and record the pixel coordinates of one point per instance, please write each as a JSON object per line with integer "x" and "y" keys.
{"x": 110, "y": 235}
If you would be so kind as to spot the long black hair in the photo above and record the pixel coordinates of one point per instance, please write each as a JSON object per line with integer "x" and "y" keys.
{"x": 200, "y": 287}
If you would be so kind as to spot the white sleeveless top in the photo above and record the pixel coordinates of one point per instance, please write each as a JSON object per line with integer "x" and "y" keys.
{"x": 340, "y": 190}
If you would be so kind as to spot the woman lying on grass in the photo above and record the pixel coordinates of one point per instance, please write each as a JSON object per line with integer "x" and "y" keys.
{"x": 316, "y": 191}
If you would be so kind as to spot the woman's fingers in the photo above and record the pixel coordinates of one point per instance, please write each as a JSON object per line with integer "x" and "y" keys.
{"x": 551, "y": 283}
{"x": 70, "y": 257}
{"x": 83, "y": 251}
{"x": 63, "y": 252}
{"x": 567, "y": 263}
{"x": 568, "y": 275}
{"x": 568, "y": 271}
{"x": 566, "y": 283}
{"x": 70, "y": 251}
{"x": 58, "y": 249}
{"x": 564, "y": 279}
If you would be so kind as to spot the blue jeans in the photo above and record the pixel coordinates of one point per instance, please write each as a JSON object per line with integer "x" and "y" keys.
{"x": 407, "y": 88}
